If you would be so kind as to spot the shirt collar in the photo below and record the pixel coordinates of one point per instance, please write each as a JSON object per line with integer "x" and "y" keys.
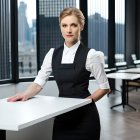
{"x": 71, "y": 49}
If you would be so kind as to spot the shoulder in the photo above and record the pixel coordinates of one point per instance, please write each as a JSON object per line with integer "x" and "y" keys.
{"x": 50, "y": 52}
{"x": 95, "y": 56}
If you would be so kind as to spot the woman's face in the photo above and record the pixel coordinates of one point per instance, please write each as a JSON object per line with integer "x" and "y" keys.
{"x": 70, "y": 29}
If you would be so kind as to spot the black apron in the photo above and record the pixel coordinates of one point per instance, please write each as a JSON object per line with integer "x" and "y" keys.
{"x": 73, "y": 80}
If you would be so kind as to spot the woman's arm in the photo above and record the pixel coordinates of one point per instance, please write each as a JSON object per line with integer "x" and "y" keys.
{"x": 39, "y": 82}
{"x": 95, "y": 64}
{"x": 31, "y": 91}
{"x": 98, "y": 94}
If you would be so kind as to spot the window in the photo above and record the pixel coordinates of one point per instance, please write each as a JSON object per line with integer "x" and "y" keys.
{"x": 27, "y": 58}
{"x": 49, "y": 30}
{"x": 5, "y": 40}
{"x": 98, "y": 26}
{"x": 120, "y": 30}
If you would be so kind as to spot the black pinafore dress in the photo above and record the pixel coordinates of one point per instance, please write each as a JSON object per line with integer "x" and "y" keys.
{"x": 73, "y": 80}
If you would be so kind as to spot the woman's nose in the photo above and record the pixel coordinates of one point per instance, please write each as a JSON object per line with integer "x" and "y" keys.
{"x": 69, "y": 30}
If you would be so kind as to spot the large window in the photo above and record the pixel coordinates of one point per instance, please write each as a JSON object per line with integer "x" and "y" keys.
{"x": 5, "y": 41}
{"x": 120, "y": 30}
{"x": 27, "y": 57}
{"x": 49, "y": 35}
{"x": 98, "y": 26}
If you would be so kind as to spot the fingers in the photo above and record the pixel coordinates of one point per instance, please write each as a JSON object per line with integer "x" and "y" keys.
{"x": 24, "y": 99}
{"x": 15, "y": 98}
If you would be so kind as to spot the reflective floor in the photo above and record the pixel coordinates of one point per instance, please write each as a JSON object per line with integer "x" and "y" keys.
{"x": 119, "y": 124}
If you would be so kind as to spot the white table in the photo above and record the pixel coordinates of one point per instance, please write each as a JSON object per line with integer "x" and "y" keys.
{"x": 131, "y": 70}
{"x": 124, "y": 77}
{"x": 18, "y": 115}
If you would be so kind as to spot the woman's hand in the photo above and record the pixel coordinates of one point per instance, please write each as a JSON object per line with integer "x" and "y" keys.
{"x": 18, "y": 97}
{"x": 31, "y": 91}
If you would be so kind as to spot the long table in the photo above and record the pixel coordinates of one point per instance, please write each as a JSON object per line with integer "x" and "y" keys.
{"x": 124, "y": 77}
{"x": 131, "y": 70}
{"x": 18, "y": 115}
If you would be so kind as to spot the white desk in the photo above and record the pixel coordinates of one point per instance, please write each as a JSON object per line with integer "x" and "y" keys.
{"x": 131, "y": 70}
{"x": 124, "y": 77}
{"x": 18, "y": 115}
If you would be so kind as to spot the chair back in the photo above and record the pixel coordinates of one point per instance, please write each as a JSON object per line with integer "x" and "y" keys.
{"x": 121, "y": 65}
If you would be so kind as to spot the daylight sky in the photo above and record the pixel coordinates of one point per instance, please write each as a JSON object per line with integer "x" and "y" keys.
{"x": 99, "y": 6}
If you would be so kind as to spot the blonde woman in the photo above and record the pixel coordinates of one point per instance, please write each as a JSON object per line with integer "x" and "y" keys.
{"x": 72, "y": 64}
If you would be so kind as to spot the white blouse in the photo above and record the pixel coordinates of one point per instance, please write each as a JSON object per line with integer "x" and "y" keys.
{"x": 94, "y": 64}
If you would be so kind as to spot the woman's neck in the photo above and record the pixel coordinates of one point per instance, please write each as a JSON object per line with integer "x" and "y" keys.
{"x": 70, "y": 44}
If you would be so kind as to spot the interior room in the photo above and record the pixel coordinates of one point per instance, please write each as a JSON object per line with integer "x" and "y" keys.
{"x": 29, "y": 29}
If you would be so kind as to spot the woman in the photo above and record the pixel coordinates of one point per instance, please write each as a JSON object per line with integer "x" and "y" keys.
{"x": 72, "y": 65}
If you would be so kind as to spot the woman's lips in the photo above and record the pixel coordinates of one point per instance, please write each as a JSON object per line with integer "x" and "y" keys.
{"x": 69, "y": 35}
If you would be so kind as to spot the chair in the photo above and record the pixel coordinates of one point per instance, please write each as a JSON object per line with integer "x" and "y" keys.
{"x": 136, "y": 62}
{"x": 135, "y": 83}
{"x": 121, "y": 65}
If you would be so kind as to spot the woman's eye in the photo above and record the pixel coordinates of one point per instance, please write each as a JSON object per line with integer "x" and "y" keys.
{"x": 74, "y": 25}
{"x": 64, "y": 25}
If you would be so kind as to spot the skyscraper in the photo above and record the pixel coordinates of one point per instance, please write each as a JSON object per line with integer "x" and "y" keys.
{"x": 26, "y": 43}
{"x": 23, "y": 27}
{"x": 49, "y": 31}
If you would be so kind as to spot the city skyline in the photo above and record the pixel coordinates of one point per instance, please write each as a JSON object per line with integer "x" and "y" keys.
{"x": 93, "y": 5}
{"x": 30, "y": 11}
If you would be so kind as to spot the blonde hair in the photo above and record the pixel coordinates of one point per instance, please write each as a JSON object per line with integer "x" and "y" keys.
{"x": 72, "y": 11}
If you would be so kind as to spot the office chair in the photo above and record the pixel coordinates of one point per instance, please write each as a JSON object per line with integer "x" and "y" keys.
{"x": 136, "y": 62}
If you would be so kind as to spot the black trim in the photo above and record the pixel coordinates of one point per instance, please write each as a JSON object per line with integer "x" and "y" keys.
{"x": 37, "y": 35}
{"x": 111, "y": 34}
{"x": 3, "y": 134}
{"x": 5, "y": 82}
{"x": 111, "y": 39}
{"x": 14, "y": 40}
{"x": 84, "y": 33}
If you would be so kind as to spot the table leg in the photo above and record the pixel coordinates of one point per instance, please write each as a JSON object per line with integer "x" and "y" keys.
{"x": 116, "y": 105}
{"x": 125, "y": 97}
{"x": 2, "y": 134}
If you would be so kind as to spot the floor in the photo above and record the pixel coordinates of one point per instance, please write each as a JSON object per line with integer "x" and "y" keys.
{"x": 119, "y": 124}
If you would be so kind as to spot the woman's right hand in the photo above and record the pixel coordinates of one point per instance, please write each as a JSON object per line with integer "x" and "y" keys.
{"x": 18, "y": 97}
{"x": 31, "y": 91}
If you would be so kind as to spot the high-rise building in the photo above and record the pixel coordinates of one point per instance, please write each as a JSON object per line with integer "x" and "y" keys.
{"x": 49, "y": 30}
{"x": 23, "y": 27}
{"x": 98, "y": 34}
{"x": 33, "y": 33}
{"x": 26, "y": 43}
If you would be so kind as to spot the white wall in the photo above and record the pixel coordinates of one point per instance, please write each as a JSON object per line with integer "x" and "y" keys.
{"x": 40, "y": 131}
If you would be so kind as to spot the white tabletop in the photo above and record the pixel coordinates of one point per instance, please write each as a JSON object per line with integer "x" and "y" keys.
{"x": 131, "y": 70}
{"x": 123, "y": 76}
{"x": 21, "y": 114}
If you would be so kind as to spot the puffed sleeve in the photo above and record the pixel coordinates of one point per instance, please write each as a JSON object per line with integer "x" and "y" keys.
{"x": 95, "y": 64}
{"x": 46, "y": 69}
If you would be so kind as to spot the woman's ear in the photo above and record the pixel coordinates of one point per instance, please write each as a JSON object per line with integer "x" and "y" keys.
{"x": 82, "y": 27}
